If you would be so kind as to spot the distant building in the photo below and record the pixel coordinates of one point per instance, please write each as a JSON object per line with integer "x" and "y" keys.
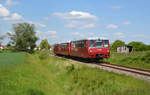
{"x": 37, "y": 48}
{"x": 124, "y": 49}
{"x": 2, "y": 47}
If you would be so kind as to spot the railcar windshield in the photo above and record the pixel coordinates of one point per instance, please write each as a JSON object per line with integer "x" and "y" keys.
{"x": 91, "y": 43}
{"x": 98, "y": 43}
{"x": 106, "y": 43}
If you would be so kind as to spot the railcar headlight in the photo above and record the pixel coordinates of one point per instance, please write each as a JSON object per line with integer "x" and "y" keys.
{"x": 90, "y": 51}
{"x": 108, "y": 51}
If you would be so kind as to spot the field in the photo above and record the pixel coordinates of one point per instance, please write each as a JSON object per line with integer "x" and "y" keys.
{"x": 11, "y": 58}
{"x": 42, "y": 75}
{"x": 134, "y": 59}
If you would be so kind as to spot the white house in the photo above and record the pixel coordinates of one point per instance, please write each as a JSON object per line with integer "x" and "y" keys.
{"x": 124, "y": 49}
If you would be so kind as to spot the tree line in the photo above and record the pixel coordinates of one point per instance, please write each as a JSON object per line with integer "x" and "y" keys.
{"x": 137, "y": 46}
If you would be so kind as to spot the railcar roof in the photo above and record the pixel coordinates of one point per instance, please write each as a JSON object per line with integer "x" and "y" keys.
{"x": 93, "y": 38}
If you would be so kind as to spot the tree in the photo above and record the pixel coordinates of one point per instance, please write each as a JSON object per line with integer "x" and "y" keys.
{"x": 116, "y": 44}
{"x": 1, "y": 39}
{"x": 44, "y": 44}
{"x": 139, "y": 46}
{"x": 23, "y": 37}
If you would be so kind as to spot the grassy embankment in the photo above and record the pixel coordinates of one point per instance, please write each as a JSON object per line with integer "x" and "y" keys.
{"x": 58, "y": 76}
{"x": 134, "y": 59}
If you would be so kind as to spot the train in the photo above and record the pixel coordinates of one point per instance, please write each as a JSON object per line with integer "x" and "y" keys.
{"x": 91, "y": 48}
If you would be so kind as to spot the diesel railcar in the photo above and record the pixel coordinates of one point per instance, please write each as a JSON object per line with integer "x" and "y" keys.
{"x": 86, "y": 48}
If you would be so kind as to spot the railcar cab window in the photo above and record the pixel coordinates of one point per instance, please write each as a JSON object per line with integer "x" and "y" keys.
{"x": 98, "y": 43}
{"x": 106, "y": 43}
{"x": 91, "y": 43}
{"x": 64, "y": 45}
{"x": 55, "y": 46}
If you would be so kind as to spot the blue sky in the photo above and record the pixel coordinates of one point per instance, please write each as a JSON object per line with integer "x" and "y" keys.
{"x": 65, "y": 20}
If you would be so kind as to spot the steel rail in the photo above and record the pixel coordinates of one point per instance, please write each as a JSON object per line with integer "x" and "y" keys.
{"x": 128, "y": 69}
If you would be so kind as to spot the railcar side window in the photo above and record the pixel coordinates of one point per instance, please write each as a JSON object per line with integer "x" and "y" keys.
{"x": 73, "y": 45}
{"x": 85, "y": 44}
{"x": 106, "y": 43}
{"x": 98, "y": 43}
{"x": 80, "y": 44}
{"x": 63, "y": 46}
{"x": 91, "y": 43}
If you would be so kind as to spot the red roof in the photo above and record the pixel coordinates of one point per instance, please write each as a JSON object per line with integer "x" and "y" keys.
{"x": 3, "y": 46}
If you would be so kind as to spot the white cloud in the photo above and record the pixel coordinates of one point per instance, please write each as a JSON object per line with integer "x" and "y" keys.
{"x": 116, "y": 7}
{"x": 91, "y": 25}
{"x": 51, "y": 32}
{"x": 78, "y": 35}
{"x": 78, "y": 19}
{"x": 4, "y": 11}
{"x": 38, "y": 24}
{"x": 70, "y": 25}
{"x": 75, "y": 15}
{"x": 119, "y": 35}
{"x": 13, "y": 17}
{"x": 112, "y": 26}
{"x": 11, "y": 3}
{"x": 47, "y": 35}
{"x": 6, "y": 15}
{"x": 127, "y": 22}
{"x": 139, "y": 36}
{"x": 51, "y": 36}
{"x": 81, "y": 25}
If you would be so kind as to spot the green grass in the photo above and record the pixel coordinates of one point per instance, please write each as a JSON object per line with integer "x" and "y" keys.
{"x": 134, "y": 59}
{"x": 11, "y": 58}
{"x": 58, "y": 76}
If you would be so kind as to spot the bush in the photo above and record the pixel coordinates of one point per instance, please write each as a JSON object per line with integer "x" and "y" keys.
{"x": 70, "y": 68}
{"x": 146, "y": 57}
{"x": 35, "y": 92}
{"x": 139, "y": 46}
{"x": 43, "y": 55}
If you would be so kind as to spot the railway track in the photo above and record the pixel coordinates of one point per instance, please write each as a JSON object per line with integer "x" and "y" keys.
{"x": 127, "y": 69}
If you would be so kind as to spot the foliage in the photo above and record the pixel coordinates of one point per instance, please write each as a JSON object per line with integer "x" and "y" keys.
{"x": 116, "y": 44}
{"x": 34, "y": 78}
{"x": 43, "y": 55}
{"x": 24, "y": 36}
{"x": 139, "y": 46}
{"x": 145, "y": 58}
{"x": 44, "y": 44}
{"x": 134, "y": 59}
{"x": 70, "y": 68}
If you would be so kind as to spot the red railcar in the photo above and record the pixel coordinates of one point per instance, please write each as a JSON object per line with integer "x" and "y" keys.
{"x": 57, "y": 48}
{"x": 65, "y": 49}
{"x": 87, "y": 48}
{"x": 62, "y": 49}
